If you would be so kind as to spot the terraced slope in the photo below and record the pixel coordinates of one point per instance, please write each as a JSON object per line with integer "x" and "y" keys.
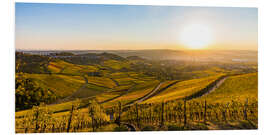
{"x": 88, "y": 90}
{"x": 114, "y": 94}
{"x": 182, "y": 89}
{"x": 59, "y": 66}
{"x": 61, "y": 85}
{"x": 210, "y": 88}
{"x": 239, "y": 87}
{"x": 134, "y": 93}
{"x": 101, "y": 82}
{"x": 116, "y": 65}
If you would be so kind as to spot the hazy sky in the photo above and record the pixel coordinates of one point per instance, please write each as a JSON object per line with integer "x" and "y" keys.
{"x": 80, "y": 26}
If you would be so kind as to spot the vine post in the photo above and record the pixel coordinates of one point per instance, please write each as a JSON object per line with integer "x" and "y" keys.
{"x": 185, "y": 112}
{"x": 205, "y": 107}
{"x": 245, "y": 110}
{"x": 70, "y": 118}
{"x": 162, "y": 114}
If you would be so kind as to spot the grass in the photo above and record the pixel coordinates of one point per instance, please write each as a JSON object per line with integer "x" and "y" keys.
{"x": 89, "y": 90}
{"x": 66, "y": 80}
{"x": 61, "y": 85}
{"x": 113, "y": 94}
{"x": 134, "y": 93}
{"x": 118, "y": 75}
{"x": 107, "y": 128}
{"x": 101, "y": 81}
{"x": 234, "y": 87}
{"x": 125, "y": 81}
{"x": 116, "y": 65}
{"x": 128, "y": 78}
{"x": 181, "y": 89}
{"x": 53, "y": 67}
{"x": 139, "y": 91}
{"x": 73, "y": 86}
{"x": 58, "y": 109}
{"x": 122, "y": 88}
{"x": 238, "y": 87}
{"x": 106, "y": 96}
{"x": 59, "y": 66}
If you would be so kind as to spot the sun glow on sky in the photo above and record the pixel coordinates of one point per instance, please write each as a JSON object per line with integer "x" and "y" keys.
{"x": 41, "y": 26}
{"x": 196, "y": 36}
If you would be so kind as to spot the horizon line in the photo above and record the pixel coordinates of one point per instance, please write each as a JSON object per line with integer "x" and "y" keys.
{"x": 135, "y": 49}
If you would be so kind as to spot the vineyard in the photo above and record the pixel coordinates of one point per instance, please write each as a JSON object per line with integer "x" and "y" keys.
{"x": 175, "y": 114}
{"x": 171, "y": 115}
{"x": 106, "y": 92}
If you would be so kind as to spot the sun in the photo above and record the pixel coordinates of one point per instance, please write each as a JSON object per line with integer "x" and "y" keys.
{"x": 196, "y": 36}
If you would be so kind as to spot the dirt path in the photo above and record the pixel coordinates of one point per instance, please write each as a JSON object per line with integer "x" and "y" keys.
{"x": 211, "y": 87}
{"x": 216, "y": 86}
{"x": 108, "y": 100}
{"x": 150, "y": 94}
{"x": 154, "y": 92}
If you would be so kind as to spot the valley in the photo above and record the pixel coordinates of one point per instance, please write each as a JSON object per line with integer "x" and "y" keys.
{"x": 85, "y": 91}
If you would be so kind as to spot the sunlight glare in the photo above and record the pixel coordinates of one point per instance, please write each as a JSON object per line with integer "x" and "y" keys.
{"x": 196, "y": 36}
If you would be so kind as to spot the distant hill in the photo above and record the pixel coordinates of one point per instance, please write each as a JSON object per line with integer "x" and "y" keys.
{"x": 31, "y": 63}
{"x": 135, "y": 58}
{"x": 92, "y": 58}
{"x": 62, "y": 54}
{"x": 165, "y": 54}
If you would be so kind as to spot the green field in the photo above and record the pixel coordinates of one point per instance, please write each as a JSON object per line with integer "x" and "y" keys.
{"x": 101, "y": 81}
{"x": 239, "y": 88}
{"x": 88, "y": 90}
{"x": 147, "y": 94}
{"x": 59, "y": 66}
{"x": 116, "y": 65}
{"x": 134, "y": 93}
{"x": 61, "y": 85}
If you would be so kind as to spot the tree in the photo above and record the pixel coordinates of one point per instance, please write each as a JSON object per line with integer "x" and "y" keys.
{"x": 29, "y": 94}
